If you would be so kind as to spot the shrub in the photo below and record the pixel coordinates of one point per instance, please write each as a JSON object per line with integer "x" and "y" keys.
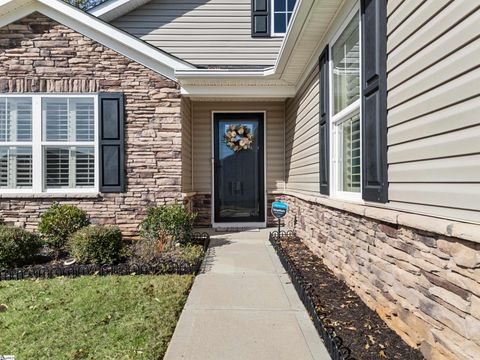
{"x": 98, "y": 245}
{"x": 59, "y": 222}
{"x": 173, "y": 221}
{"x": 191, "y": 253}
{"x": 17, "y": 246}
{"x": 2, "y": 221}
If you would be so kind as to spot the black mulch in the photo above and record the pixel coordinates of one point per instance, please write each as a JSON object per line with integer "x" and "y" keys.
{"x": 44, "y": 265}
{"x": 362, "y": 330}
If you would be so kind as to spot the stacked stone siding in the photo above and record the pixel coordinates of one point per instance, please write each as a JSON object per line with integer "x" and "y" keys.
{"x": 425, "y": 286}
{"x": 39, "y": 55}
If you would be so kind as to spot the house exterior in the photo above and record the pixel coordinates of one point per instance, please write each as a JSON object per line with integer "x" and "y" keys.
{"x": 362, "y": 115}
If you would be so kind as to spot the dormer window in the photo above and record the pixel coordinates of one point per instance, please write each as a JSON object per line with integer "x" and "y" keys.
{"x": 282, "y": 11}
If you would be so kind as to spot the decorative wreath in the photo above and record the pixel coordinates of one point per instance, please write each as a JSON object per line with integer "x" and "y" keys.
{"x": 239, "y": 137}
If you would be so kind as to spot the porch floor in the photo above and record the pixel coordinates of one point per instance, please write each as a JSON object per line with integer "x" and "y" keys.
{"x": 243, "y": 306}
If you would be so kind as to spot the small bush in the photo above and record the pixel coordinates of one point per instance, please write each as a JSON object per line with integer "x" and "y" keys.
{"x": 98, "y": 245}
{"x": 2, "y": 221}
{"x": 191, "y": 253}
{"x": 17, "y": 246}
{"x": 173, "y": 221}
{"x": 59, "y": 222}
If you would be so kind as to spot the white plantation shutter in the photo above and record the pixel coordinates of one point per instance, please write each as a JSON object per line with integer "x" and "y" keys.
{"x": 3, "y": 120}
{"x": 350, "y": 137}
{"x": 15, "y": 119}
{"x": 24, "y": 120}
{"x": 56, "y": 122}
{"x": 84, "y": 116}
{"x": 15, "y": 167}
{"x": 68, "y": 121}
{"x": 63, "y": 147}
{"x": 4, "y": 174}
{"x": 57, "y": 167}
{"x": 15, "y": 127}
{"x": 84, "y": 167}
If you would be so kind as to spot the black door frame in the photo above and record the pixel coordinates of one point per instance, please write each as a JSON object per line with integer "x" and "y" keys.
{"x": 233, "y": 116}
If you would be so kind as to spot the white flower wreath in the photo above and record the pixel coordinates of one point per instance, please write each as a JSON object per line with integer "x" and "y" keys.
{"x": 239, "y": 137}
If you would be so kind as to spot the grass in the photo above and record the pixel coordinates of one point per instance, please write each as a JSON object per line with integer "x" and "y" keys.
{"x": 114, "y": 317}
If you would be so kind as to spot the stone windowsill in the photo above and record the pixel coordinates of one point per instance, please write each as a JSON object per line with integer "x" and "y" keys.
{"x": 462, "y": 230}
{"x": 14, "y": 196}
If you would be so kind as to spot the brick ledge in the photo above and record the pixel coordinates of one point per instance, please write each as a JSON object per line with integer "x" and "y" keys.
{"x": 466, "y": 231}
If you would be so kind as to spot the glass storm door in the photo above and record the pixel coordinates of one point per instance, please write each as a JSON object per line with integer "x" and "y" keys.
{"x": 238, "y": 167}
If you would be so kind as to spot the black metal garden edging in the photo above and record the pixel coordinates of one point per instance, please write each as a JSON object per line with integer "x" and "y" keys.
{"x": 167, "y": 266}
{"x": 333, "y": 343}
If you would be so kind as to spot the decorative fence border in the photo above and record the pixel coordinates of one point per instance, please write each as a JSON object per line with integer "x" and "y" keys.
{"x": 168, "y": 266}
{"x": 333, "y": 343}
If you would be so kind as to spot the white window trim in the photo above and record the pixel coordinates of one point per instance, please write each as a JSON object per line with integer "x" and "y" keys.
{"x": 272, "y": 18}
{"x": 37, "y": 145}
{"x": 343, "y": 115}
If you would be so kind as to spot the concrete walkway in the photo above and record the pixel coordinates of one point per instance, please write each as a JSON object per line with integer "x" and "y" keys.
{"x": 243, "y": 306}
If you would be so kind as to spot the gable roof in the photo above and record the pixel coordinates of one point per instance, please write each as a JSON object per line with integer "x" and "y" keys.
{"x": 113, "y": 9}
{"x": 96, "y": 29}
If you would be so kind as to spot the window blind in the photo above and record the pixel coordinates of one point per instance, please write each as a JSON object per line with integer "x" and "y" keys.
{"x": 55, "y": 122}
{"x": 84, "y": 118}
{"x": 84, "y": 167}
{"x": 15, "y": 119}
{"x": 69, "y": 167}
{"x": 351, "y": 159}
{"x": 68, "y": 119}
{"x": 57, "y": 167}
{"x": 15, "y": 167}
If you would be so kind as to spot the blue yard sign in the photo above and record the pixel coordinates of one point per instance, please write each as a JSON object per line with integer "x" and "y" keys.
{"x": 279, "y": 209}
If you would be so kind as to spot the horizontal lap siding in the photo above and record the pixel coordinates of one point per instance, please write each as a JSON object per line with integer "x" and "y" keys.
{"x": 302, "y": 138}
{"x": 433, "y": 106}
{"x": 186, "y": 145}
{"x": 202, "y": 140}
{"x": 203, "y": 32}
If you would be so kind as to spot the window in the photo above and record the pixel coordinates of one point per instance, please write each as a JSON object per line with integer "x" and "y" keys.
{"x": 48, "y": 143}
{"x": 15, "y": 143}
{"x": 282, "y": 13}
{"x": 345, "y": 111}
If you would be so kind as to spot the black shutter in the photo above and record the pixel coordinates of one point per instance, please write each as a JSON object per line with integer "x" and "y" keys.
{"x": 374, "y": 101}
{"x": 324, "y": 124}
{"x": 112, "y": 138}
{"x": 260, "y": 18}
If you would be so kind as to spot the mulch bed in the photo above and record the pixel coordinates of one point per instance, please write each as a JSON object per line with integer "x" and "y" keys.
{"x": 361, "y": 329}
{"x": 44, "y": 266}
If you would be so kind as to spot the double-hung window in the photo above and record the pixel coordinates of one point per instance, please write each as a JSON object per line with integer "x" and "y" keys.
{"x": 48, "y": 143}
{"x": 345, "y": 111}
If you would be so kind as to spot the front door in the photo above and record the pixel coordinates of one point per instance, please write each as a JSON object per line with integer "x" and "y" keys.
{"x": 239, "y": 168}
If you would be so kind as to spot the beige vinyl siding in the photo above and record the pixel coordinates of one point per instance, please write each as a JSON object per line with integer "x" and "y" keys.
{"x": 186, "y": 112}
{"x": 302, "y": 137}
{"x": 203, "y": 32}
{"x": 202, "y": 140}
{"x": 433, "y": 106}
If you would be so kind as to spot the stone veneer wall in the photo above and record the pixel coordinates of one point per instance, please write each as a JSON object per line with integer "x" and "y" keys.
{"x": 39, "y": 55}
{"x": 425, "y": 286}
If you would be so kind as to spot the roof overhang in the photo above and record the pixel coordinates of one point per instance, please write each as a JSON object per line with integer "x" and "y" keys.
{"x": 113, "y": 9}
{"x": 300, "y": 49}
{"x": 96, "y": 29}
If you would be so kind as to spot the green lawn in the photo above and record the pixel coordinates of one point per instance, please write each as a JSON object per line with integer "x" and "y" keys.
{"x": 113, "y": 317}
